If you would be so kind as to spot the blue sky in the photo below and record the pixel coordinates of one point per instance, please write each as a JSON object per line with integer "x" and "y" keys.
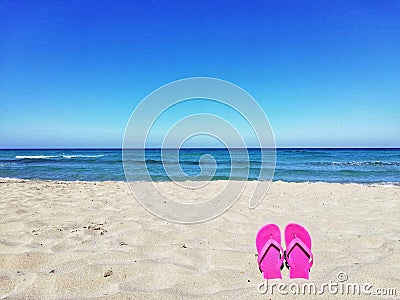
{"x": 326, "y": 73}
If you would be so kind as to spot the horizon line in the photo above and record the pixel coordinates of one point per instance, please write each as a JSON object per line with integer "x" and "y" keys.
{"x": 191, "y": 148}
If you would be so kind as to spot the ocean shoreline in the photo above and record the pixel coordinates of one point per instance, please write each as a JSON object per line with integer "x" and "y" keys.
{"x": 380, "y": 184}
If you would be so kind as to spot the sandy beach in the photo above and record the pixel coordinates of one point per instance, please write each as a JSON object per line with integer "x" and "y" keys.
{"x": 93, "y": 240}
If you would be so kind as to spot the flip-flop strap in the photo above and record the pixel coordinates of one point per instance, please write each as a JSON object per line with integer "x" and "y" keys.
{"x": 293, "y": 243}
{"x": 265, "y": 249}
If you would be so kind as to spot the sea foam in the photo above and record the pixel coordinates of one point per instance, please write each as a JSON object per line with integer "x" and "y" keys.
{"x": 35, "y": 156}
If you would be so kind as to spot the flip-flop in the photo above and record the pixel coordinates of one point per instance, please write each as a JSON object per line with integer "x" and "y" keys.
{"x": 298, "y": 253}
{"x": 270, "y": 251}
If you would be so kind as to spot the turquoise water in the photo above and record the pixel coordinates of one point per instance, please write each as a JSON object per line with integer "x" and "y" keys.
{"x": 292, "y": 165}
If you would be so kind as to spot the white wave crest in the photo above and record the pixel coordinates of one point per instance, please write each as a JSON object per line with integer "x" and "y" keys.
{"x": 34, "y": 156}
{"x": 55, "y": 156}
{"x": 82, "y": 156}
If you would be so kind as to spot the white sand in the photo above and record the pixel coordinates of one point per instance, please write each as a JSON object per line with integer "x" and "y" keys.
{"x": 60, "y": 240}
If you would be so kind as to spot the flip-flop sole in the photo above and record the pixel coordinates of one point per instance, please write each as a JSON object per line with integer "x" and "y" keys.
{"x": 297, "y": 257}
{"x": 271, "y": 258}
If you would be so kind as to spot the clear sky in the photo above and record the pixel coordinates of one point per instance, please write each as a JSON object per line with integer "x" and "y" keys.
{"x": 326, "y": 73}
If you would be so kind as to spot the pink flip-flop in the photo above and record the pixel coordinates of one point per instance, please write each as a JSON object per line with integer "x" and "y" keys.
{"x": 298, "y": 251}
{"x": 270, "y": 251}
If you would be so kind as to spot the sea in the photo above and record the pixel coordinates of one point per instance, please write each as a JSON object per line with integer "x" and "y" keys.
{"x": 355, "y": 165}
